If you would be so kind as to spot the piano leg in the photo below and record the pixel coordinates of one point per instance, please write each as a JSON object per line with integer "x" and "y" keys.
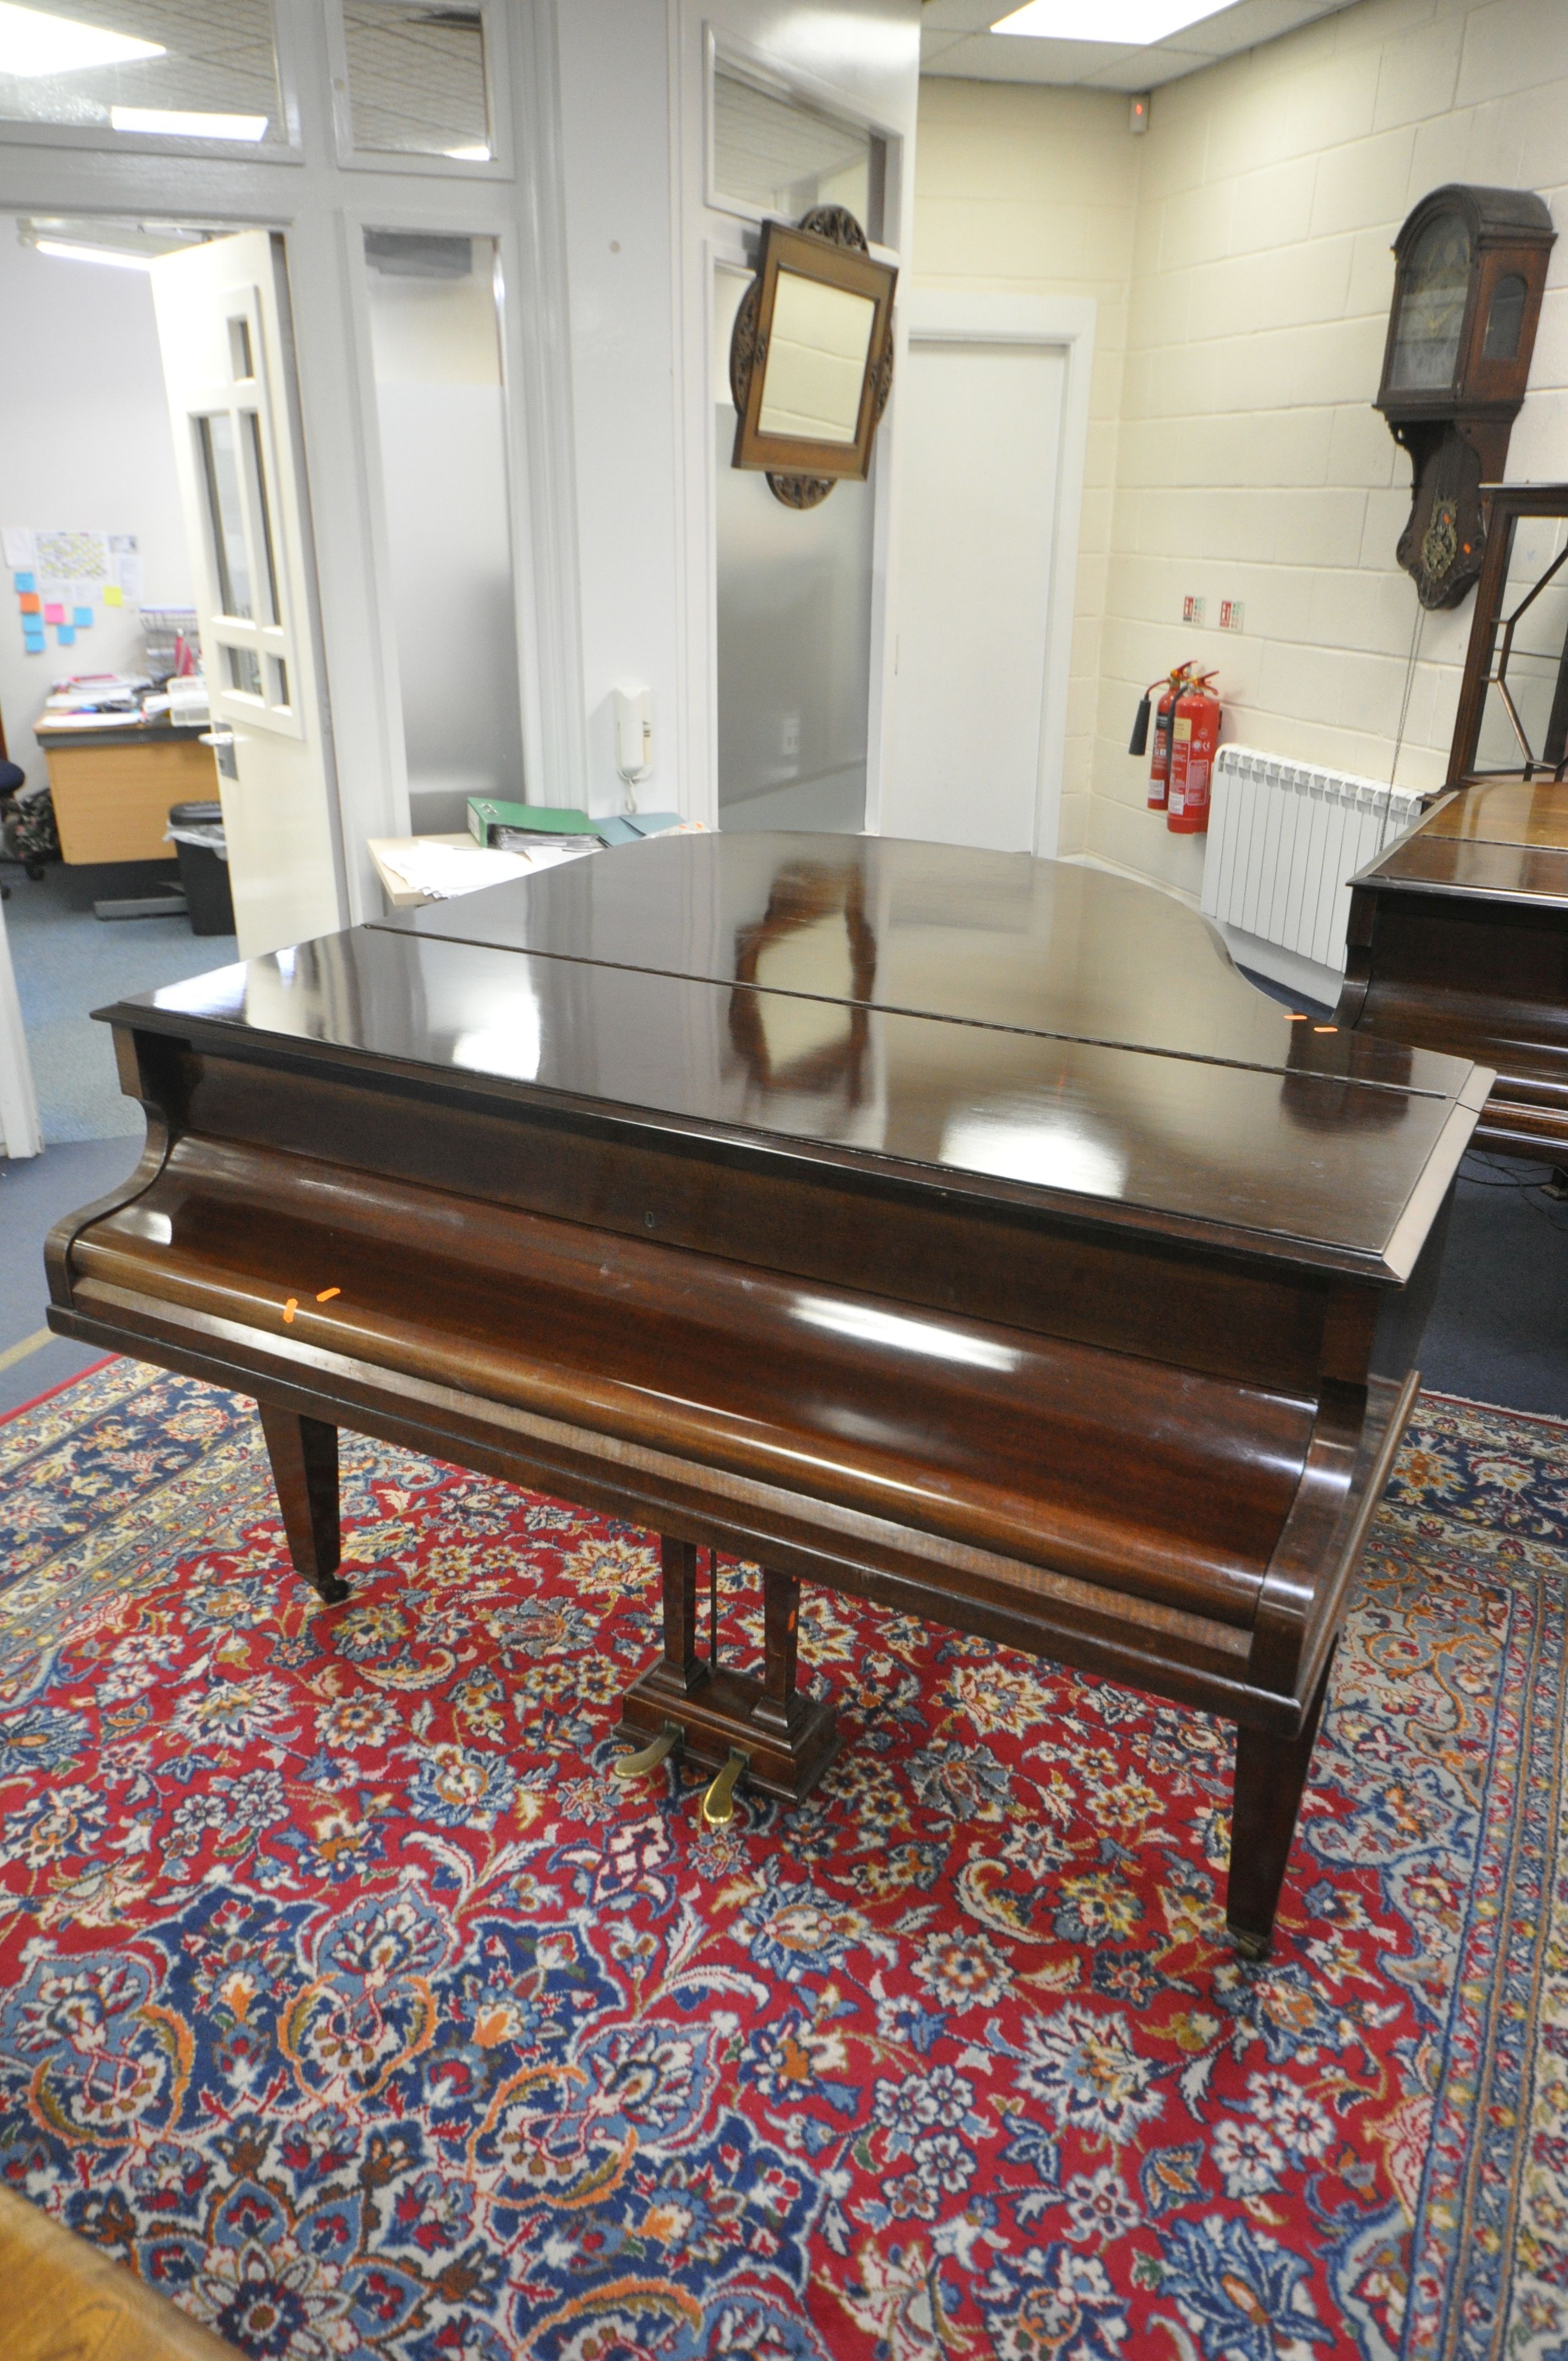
{"x": 303, "y": 1452}
{"x": 787, "y": 1738}
{"x": 1271, "y": 1773}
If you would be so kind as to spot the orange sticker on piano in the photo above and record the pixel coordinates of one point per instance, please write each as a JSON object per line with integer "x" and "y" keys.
{"x": 327, "y": 1293}
{"x": 291, "y": 1307}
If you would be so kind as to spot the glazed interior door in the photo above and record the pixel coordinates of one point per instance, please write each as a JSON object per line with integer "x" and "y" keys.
{"x": 224, "y": 328}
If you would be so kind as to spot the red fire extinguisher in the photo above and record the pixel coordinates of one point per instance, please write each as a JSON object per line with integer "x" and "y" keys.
{"x": 1170, "y": 688}
{"x": 1194, "y": 736}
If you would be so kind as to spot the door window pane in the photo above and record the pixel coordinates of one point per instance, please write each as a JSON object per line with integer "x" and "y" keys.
{"x": 416, "y": 79}
{"x": 244, "y": 670}
{"x": 225, "y": 513}
{"x": 274, "y": 613}
{"x": 191, "y": 68}
{"x": 440, "y": 408}
{"x": 770, "y": 152}
{"x": 795, "y": 604}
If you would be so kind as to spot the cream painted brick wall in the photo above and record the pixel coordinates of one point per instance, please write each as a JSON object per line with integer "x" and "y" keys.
{"x": 1235, "y": 453}
{"x": 1034, "y": 191}
{"x": 1250, "y": 375}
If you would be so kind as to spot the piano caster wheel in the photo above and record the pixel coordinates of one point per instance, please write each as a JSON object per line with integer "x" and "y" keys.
{"x": 1251, "y": 1947}
{"x": 718, "y": 1804}
{"x": 647, "y": 1758}
{"x": 330, "y": 1590}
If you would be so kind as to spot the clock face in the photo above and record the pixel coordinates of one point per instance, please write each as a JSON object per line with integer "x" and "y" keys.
{"x": 1430, "y": 307}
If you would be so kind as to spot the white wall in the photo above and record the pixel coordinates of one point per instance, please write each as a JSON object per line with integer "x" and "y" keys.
{"x": 86, "y": 443}
{"x": 1251, "y": 463}
{"x": 1023, "y": 191}
{"x": 1247, "y": 461}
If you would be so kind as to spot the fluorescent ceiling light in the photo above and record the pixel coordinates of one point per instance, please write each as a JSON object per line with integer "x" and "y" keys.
{"x": 1138, "y": 21}
{"x": 171, "y": 123}
{"x": 32, "y": 43}
{"x": 65, "y": 253}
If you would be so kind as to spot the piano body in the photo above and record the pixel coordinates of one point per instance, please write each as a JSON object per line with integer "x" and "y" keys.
{"x": 1458, "y": 939}
{"x": 956, "y": 1229}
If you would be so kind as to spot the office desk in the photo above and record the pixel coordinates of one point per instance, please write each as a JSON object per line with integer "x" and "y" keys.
{"x": 113, "y": 788}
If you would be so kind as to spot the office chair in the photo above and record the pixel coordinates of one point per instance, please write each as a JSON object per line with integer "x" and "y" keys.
{"x": 12, "y": 776}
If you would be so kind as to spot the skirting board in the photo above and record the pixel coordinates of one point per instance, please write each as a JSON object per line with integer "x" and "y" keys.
{"x": 1305, "y": 976}
{"x": 1288, "y": 968}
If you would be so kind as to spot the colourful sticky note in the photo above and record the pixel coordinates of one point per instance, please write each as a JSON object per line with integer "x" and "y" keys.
{"x": 83, "y": 618}
{"x": 32, "y": 643}
{"x": 27, "y": 582}
{"x": 54, "y": 612}
{"x": 30, "y": 602}
{"x": 112, "y": 595}
{"x": 66, "y": 635}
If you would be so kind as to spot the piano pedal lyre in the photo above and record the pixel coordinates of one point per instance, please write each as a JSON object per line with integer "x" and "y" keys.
{"x": 719, "y": 1802}
{"x": 648, "y": 1757}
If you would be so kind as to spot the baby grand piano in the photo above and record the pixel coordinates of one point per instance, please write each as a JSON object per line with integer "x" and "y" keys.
{"x": 953, "y": 1228}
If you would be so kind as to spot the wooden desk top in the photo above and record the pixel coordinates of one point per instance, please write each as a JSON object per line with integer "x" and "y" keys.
{"x": 54, "y": 735}
{"x": 1048, "y": 1034}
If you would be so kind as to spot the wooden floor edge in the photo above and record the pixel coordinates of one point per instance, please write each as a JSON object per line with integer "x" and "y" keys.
{"x": 63, "y": 2299}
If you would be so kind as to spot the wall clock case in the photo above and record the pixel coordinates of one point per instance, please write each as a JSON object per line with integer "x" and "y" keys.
{"x": 1470, "y": 269}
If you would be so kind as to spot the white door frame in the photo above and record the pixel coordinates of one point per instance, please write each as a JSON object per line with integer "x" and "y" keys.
{"x": 942, "y": 316}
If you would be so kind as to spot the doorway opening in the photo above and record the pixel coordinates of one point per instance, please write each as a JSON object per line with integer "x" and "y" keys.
{"x": 100, "y": 653}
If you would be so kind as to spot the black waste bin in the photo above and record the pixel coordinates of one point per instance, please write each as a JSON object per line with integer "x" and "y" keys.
{"x": 198, "y": 833}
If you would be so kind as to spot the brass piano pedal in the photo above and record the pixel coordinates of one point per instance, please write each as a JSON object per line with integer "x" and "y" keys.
{"x": 648, "y": 1757}
{"x": 718, "y": 1803}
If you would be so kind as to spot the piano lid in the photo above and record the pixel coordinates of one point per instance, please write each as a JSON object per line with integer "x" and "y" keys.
{"x": 1348, "y": 1172}
{"x": 926, "y": 930}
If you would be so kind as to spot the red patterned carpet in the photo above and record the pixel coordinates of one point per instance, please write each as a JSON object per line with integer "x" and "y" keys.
{"x": 344, "y": 1996}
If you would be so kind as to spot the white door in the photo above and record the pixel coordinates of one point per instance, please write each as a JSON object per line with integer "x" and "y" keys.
{"x": 981, "y": 427}
{"x": 224, "y": 327}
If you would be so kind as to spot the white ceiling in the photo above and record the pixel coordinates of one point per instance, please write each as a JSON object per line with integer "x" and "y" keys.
{"x": 956, "y": 40}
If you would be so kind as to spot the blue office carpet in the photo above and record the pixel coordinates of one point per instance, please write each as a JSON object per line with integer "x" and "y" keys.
{"x": 69, "y": 963}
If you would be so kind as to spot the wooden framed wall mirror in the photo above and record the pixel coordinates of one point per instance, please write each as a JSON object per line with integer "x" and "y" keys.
{"x": 811, "y": 359}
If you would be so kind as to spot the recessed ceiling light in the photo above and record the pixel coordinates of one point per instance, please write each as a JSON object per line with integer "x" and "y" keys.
{"x": 1138, "y": 21}
{"x": 32, "y": 44}
{"x": 172, "y": 122}
{"x": 64, "y": 252}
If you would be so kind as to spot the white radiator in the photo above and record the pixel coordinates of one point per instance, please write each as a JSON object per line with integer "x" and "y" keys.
{"x": 1283, "y": 838}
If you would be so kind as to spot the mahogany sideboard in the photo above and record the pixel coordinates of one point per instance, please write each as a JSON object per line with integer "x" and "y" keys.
{"x": 953, "y": 1228}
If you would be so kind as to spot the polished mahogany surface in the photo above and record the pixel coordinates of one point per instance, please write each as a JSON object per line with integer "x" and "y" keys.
{"x": 1458, "y": 941}
{"x": 1218, "y": 1142}
{"x": 1505, "y": 811}
{"x": 995, "y": 939}
{"x": 959, "y": 1230}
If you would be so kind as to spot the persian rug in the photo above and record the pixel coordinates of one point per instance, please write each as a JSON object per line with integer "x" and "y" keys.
{"x": 347, "y": 1997}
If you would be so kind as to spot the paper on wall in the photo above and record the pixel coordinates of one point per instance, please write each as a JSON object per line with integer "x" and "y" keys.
{"x": 125, "y": 559}
{"x": 16, "y": 541}
{"x": 72, "y": 567}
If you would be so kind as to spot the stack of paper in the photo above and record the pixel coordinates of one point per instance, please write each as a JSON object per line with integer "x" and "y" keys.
{"x": 443, "y": 871}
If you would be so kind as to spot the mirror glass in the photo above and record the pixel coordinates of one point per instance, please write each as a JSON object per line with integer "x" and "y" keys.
{"x": 1525, "y": 706}
{"x": 816, "y": 360}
